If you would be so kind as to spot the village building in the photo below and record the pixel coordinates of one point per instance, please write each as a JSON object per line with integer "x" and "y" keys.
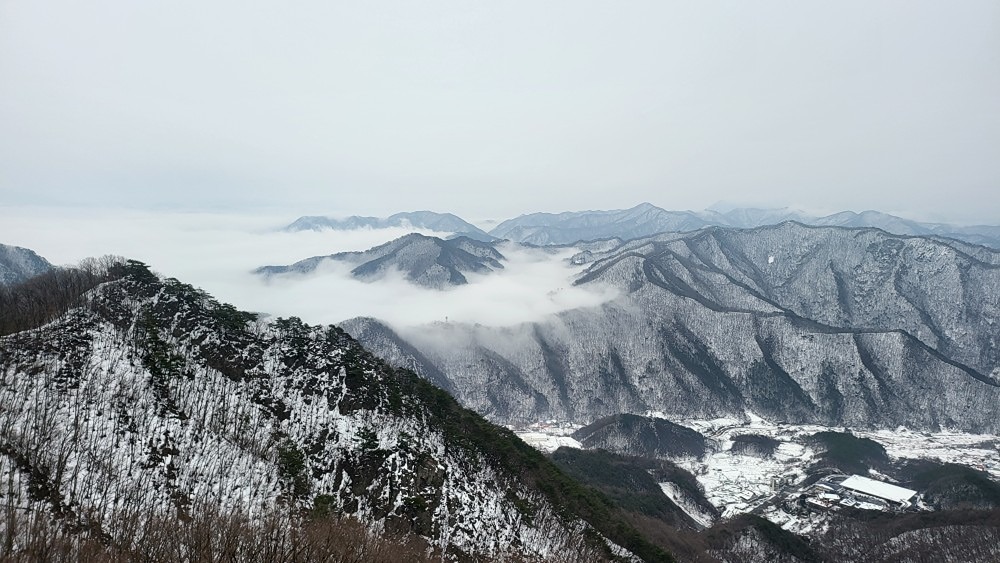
{"x": 879, "y": 489}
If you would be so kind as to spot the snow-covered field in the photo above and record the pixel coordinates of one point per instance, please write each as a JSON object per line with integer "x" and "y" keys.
{"x": 979, "y": 451}
{"x": 740, "y": 483}
{"x": 549, "y": 436}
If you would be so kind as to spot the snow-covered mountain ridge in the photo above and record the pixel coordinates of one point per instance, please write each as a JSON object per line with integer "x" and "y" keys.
{"x": 152, "y": 407}
{"x": 426, "y": 261}
{"x": 645, "y": 220}
{"x": 820, "y": 325}
{"x": 154, "y": 400}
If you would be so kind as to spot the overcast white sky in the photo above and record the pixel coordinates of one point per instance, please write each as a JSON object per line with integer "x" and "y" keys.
{"x": 500, "y": 108}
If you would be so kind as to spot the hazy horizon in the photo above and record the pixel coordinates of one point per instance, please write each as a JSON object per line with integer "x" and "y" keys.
{"x": 282, "y": 215}
{"x": 492, "y": 111}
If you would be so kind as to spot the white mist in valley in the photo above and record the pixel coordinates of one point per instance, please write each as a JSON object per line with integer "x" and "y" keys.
{"x": 218, "y": 252}
{"x": 533, "y": 284}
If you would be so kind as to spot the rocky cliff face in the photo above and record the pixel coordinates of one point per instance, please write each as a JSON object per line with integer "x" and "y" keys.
{"x": 828, "y": 325}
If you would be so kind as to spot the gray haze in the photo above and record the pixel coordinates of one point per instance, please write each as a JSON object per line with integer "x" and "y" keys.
{"x": 496, "y": 109}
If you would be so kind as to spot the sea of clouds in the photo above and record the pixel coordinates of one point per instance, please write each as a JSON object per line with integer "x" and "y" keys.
{"x": 218, "y": 252}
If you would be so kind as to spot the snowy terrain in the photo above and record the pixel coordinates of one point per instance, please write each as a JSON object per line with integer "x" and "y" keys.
{"x": 549, "y": 435}
{"x": 154, "y": 400}
{"x": 807, "y": 325}
{"x": 646, "y": 219}
{"x": 737, "y": 484}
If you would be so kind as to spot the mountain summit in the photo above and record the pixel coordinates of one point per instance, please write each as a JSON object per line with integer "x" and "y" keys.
{"x": 427, "y": 261}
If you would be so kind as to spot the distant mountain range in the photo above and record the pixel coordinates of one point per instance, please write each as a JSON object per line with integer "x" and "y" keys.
{"x": 645, "y": 220}
{"x": 827, "y": 325}
{"x": 427, "y": 261}
{"x": 19, "y": 264}
{"x": 440, "y": 222}
{"x": 567, "y": 228}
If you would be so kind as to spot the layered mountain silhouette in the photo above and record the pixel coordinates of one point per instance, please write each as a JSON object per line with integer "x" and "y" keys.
{"x": 441, "y": 222}
{"x": 645, "y": 219}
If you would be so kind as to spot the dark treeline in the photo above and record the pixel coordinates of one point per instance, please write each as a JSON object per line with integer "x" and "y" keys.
{"x": 34, "y": 302}
{"x": 210, "y": 536}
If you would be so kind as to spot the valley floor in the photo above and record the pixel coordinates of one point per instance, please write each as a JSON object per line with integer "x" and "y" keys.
{"x": 737, "y": 484}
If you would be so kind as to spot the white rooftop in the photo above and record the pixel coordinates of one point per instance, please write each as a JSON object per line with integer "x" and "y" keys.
{"x": 877, "y": 488}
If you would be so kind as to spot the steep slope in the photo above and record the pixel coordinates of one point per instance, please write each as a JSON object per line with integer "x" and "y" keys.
{"x": 959, "y": 536}
{"x": 395, "y": 350}
{"x": 637, "y": 485}
{"x": 40, "y": 299}
{"x": 152, "y": 401}
{"x": 427, "y": 261}
{"x": 440, "y": 222}
{"x": 18, "y": 264}
{"x": 837, "y": 326}
{"x": 860, "y": 279}
{"x": 752, "y": 538}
